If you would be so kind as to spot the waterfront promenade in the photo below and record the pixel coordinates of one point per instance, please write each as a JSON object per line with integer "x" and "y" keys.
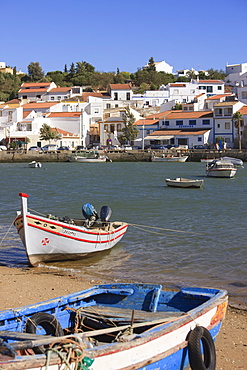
{"x": 195, "y": 155}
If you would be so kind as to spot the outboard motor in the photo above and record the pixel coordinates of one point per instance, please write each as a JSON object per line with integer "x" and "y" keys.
{"x": 90, "y": 214}
{"x": 105, "y": 214}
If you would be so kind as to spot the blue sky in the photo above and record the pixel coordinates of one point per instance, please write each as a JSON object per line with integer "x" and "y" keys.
{"x": 111, "y": 34}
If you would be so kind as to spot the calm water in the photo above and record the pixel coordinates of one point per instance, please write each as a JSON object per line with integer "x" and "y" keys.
{"x": 208, "y": 244}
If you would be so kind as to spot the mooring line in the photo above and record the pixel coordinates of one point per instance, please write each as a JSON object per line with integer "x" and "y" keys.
{"x": 160, "y": 228}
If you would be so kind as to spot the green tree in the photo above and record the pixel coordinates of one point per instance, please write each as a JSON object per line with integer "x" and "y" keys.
{"x": 47, "y": 133}
{"x": 35, "y": 71}
{"x": 130, "y": 131}
{"x": 151, "y": 65}
{"x": 238, "y": 122}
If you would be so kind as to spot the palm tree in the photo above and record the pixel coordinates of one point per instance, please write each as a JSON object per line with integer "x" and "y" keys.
{"x": 238, "y": 122}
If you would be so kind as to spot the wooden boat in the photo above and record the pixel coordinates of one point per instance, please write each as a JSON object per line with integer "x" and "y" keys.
{"x": 220, "y": 168}
{"x": 91, "y": 156}
{"x": 180, "y": 182}
{"x": 170, "y": 158}
{"x": 34, "y": 164}
{"x": 52, "y": 238}
{"x": 113, "y": 327}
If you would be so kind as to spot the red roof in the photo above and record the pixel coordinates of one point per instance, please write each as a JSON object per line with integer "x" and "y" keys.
{"x": 32, "y": 106}
{"x": 184, "y": 132}
{"x": 64, "y": 114}
{"x": 120, "y": 87}
{"x": 22, "y": 91}
{"x": 60, "y": 89}
{"x": 35, "y": 84}
{"x": 243, "y": 110}
{"x": 210, "y": 82}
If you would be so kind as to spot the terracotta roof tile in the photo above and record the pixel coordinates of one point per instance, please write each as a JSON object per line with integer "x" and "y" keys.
{"x": 177, "y": 85}
{"x": 183, "y": 115}
{"x": 63, "y": 132}
{"x": 243, "y": 110}
{"x": 35, "y": 84}
{"x": 219, "y": 96}
{"x": 210, "y": 81}
{"x": 120, "y": 87}
{"x": 24, "y": 91}
{"x": 64, "y": 114}
{"x": 31, "y": 106}
{"x": 59, "y": 89}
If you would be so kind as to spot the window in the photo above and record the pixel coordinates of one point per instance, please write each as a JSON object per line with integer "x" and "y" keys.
{"x": 9, "y": 115}
{"x": 108, "y": 106}
{"x": 185, "y": 108}
{"x": 29, "y": 127}
{"x": 219, "y": 87}
{"x": 190, "y": 108}
{"x": 1, "y": 113}
{"x": 119, "y": 127}
{"x": 244, "y": 94}
{"x": 202, "y": 87}
{"x": 218, "y": 125}
{"x": 38, "y": 96}
{"x": 227, "y": 126}
{"x": 218, "y": 111}
{"x": 106, "y": 128}
{"x": 52, "y": 97}
{"x": 199, "y": 139}
{"x": 206, "y": 121}
{"x": 115, "y": 96}
{"x": 167, "y": 123}
{"x": 112, "y": 128}
{"x": 24, "y": 97}
{"x": 192, "y": 122}
{"x": 179, "y": 123}
{"x": 127, "y": 96}
{"x": 228, "y": 112}
{"x": 96, "y": 111}
{"x": 175, "y": 91}
{"x": 116, "y": 105}
{"x": 209, "y": 89}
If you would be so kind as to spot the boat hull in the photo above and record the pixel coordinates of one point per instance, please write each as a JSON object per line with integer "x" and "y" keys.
{"x": 162, "y": 344}
{"x": 46, "y": 240}
{"x": 170, "y": 159}
{"x": 221, "y": 173}
{"x": 184, "y": 183}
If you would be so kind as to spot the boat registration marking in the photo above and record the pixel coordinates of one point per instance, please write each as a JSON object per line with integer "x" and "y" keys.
{"x": 69, "y": 232}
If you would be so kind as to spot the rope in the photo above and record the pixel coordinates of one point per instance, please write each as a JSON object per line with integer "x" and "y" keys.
{"x": 7, "y": 231}
{"x": 160, "y": 228}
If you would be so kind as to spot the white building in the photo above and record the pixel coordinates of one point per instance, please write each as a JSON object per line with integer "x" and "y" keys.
{"x": 237, "y": 78}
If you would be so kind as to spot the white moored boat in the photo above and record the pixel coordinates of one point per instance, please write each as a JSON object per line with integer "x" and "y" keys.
{"x": 220, "y": 168}
{"x": 170, "y": 158}
{"x": 180, "y": 182}
{"x": 34, "y": 164}
{"x": 91, "y": 156}
{"x": 50, "y": 238}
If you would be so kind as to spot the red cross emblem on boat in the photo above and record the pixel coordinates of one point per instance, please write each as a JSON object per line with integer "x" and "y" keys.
{"x": 45, "y": 241}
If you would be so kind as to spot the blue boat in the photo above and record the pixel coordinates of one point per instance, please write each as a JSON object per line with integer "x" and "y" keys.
{"x": 113, "y": 327}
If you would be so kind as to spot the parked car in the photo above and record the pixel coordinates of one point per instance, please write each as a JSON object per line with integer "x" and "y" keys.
{"x": 126, "y": 147}
{"x": 3, "y": 147}
{"x": 79, "y": 147}
{"x": 50, "y": 148}
{"x": 63, "y": 148}
{"x": 200, "y": 147}
{"x": 36, "y": 148}
{"x": 158, "y": 146}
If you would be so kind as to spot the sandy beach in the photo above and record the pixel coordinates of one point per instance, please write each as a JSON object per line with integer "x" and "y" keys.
{"x": 20, "y": 287}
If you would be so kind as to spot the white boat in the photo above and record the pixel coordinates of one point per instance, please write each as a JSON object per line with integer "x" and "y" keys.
{"x": 170, "y": 158}
{"x": 206, "y": 160}
{"x": 180, "y": 182}
{"x": 220, "y": 168}
{"x": 88, "y": 157}
{"x": 34, "y": 164}
{"x": 50, "y": 238}
{"x": 235, "y": 161}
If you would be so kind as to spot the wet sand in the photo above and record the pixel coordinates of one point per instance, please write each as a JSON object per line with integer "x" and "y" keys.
{"x": 20, "y": 287}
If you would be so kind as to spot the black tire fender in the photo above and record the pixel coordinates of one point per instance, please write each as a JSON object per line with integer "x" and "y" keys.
{"x": 202, "y": 355}
{"x": 48, "y": 322}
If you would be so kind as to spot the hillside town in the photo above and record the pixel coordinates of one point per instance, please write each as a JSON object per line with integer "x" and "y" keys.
{"x": 199, "y": 113}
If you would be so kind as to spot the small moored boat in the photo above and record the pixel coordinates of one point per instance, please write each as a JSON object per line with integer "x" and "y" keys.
{"x": 220, "y": 168}
{"x": 170, "y": 158}
{"x": 115, "y": 327}
{"x": 51, "y": 238}
{"x": 180, "y": 182}
{"x": 34, "y": 164}
{"x": 91, "y": 156}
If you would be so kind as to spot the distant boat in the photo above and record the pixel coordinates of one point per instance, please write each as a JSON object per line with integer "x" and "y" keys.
{"x": 180, "y": 182}
{"x": 51, "y": 238}
{"x": 206, "y": 160}
{"x": 91, "y": 156}
{"x": 115, "y": 327}
{"x": 34, "y": 164}
{"x": 235, "y": 161}
{"x": 170, "y": 159}
{"x": 220, "y": 168}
